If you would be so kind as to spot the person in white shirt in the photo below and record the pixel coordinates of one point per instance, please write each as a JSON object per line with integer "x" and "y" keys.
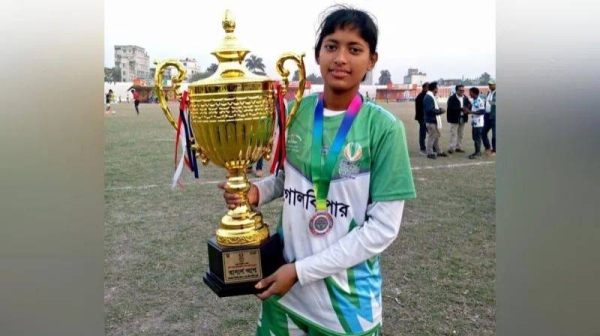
{"x": 477, "y": 120}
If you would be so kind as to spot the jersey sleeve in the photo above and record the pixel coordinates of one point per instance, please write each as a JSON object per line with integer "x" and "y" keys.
{"x": 391, "y": 173}
{"x": 270, "y": 188}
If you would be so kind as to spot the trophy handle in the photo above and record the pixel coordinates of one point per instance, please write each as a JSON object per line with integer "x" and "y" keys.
{"x": 285, "y": 73}
{"x": 158, "y": 88}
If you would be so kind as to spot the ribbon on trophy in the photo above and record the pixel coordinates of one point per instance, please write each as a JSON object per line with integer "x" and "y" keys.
{"x": 279, "y": 153}
{"x": 184, "y": 109}
{"x": 183, "y": 138}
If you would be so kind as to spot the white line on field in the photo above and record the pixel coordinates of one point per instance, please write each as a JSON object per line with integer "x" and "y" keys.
{"x": 252, "y": 180}
{"x": 454, "y": 165}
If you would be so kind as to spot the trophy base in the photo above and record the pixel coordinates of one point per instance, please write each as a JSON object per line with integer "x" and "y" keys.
{"x": 235, "y": 271}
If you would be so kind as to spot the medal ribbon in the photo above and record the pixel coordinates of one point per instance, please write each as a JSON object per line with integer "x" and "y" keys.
{"x": 321, "y": 175}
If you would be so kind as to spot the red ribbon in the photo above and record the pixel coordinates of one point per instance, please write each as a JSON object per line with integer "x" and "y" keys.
{"x": 279, "y": 155}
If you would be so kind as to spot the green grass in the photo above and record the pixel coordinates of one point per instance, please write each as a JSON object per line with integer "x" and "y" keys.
{"x": 438, "y": 275}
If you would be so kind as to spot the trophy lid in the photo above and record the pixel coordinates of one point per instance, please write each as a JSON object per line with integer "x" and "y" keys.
{"x": 231, "y": 55}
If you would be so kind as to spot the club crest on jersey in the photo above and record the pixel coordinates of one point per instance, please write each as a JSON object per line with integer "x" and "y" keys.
{"x": 353, "y": 151}
{"x": 349, "y": 167}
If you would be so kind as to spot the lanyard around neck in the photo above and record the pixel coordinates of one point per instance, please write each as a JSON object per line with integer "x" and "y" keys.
{"x": 321, "y": 175}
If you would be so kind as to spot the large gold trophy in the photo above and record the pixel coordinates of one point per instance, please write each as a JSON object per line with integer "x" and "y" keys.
{"x": 233, "y": 119}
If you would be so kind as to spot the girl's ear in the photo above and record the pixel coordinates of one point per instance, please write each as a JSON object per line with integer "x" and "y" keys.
{"x": 373, "y": 60}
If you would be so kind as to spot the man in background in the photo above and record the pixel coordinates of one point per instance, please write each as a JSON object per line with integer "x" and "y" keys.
{"x": 457, "y": 119}
{"x": 136, "y": 100}
{"x": 420, "y": 118}
{"x": 108, "y": 98}
{"x": 432, "y": 112}
{"x": 477, "y": 120}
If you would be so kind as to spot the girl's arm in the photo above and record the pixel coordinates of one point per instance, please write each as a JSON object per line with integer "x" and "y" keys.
{"x": 270, "y": 188}
{"x": 378, "y": 232}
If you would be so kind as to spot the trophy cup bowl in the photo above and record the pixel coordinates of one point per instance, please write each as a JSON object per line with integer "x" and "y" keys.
{"x": 233, "y": 118}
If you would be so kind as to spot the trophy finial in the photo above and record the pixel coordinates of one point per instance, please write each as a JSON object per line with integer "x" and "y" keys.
{"x": 228, "y": 22}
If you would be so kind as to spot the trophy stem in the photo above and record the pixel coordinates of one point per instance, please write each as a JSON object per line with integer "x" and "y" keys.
{"x": 237, "y": 183}
{"x": 243, "y": 225}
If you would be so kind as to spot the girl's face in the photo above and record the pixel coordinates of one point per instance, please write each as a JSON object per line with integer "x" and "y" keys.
{"x": 344, "y": 59}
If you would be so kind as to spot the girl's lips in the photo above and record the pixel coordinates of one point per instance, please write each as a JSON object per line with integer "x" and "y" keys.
{"x": 339, "y": 74}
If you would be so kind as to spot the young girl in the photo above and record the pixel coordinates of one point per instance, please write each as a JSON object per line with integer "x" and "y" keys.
{"x": 346, "y": 176}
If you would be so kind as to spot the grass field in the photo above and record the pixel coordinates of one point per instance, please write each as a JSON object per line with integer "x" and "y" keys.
{"x": 438, "y": 275}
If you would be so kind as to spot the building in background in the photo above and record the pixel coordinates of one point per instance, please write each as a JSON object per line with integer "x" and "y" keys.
{"x": 191, "y": 66}
{"x": 133, "y": 61}
{"x": 414, "y": 76}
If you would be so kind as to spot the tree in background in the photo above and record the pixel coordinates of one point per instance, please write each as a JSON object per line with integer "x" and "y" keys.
{"x": 385, "y": 77}
{"x": 112, "y": 74}
{"x": 108, "y": 74}
{"x": 212, "y": 68}
{"x": 205, "y": 74}
{"x": 255, "y": 64}
{"x": 484, "y": 78}
{"x": 314, "y": 79}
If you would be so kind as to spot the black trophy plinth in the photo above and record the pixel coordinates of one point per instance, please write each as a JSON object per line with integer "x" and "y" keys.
{"x": 236, "y": 270}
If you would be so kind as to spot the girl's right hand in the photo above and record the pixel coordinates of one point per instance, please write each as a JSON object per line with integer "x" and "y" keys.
{"x": 232, "y": 200}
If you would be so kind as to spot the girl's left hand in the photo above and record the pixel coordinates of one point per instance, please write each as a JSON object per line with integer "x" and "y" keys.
{"x": 279, "y": 282}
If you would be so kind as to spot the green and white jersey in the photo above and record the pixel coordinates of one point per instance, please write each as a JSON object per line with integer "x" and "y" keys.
{"x": 373, "y": 167}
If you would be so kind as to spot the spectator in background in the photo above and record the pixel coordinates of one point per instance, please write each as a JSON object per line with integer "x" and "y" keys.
{"x": 457, "y": 119}
{"x": 259, "y": 166}
{"x": 477, "y": 120}
{"x": 433, "y": 121}
{"x": 420, "y": 118}
{"x": 108, "y": 97}
{"x": 136, "y": 100}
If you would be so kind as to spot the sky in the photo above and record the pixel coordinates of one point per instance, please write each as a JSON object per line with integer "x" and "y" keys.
{"x": 444, "y": 39}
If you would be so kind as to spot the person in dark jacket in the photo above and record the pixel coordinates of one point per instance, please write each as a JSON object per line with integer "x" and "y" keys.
{"x": 431, "y": 113}
{"x": 458, "y": 103}
{"x": 419, "y": 117}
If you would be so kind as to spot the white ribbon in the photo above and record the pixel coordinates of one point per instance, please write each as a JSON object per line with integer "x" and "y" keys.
{"x": 181, "y": 162}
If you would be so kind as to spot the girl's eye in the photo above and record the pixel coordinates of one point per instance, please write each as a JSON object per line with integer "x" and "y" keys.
{"x": 355, "y": 50}
{"x": 329, "y": 47}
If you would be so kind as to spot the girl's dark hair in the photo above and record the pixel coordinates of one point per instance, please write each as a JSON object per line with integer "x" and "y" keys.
{"x": 340, "y": 17}
{"x": 474, "y": 90}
